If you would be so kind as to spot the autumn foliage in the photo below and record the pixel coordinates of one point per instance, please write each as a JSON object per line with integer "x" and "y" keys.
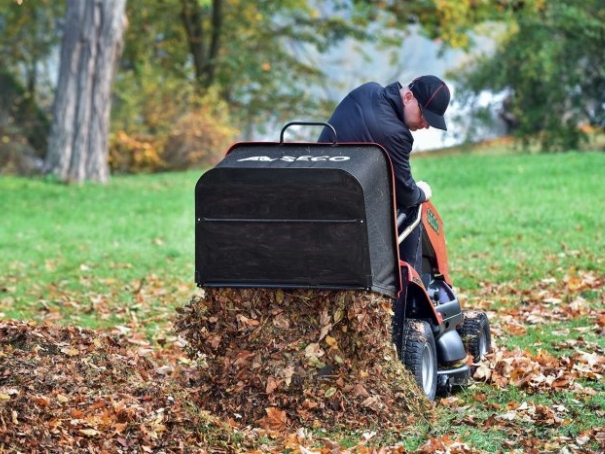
{"x": 136, "y": 153}
{"x": 174, "y": 137}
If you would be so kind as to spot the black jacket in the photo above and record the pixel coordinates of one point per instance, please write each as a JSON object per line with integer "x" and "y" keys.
{"x": 372, "y": 113}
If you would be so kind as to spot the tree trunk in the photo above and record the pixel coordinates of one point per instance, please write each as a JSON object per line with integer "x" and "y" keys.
{"x": 215, "y": 43}
{"x": 203, "y": 48}
{"x": 194, "y": 27}
{"x": 92, "y": 43}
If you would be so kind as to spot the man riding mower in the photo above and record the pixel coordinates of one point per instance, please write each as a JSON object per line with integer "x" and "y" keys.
{"x": 323, "y": 216}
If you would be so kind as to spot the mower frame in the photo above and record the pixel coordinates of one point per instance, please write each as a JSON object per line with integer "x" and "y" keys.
{"x": 313, "y": 215}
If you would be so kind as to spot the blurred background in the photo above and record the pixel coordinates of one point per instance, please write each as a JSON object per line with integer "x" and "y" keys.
{"x": 181, "y": 80}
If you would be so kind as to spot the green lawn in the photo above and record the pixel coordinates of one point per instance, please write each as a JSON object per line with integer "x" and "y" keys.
{"x": 519, "y": 215}
{"x": 521, "y": 229}
{"x": 63, "y": 249}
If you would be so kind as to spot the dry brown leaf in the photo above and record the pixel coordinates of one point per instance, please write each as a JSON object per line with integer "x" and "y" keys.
{"x": 70, "y": 351}
{"x": 360, "y": 391}
{"x": 276, "y": 419}
{"x": 272, "y": 385}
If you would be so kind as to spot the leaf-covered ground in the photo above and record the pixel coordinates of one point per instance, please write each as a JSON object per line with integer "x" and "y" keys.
{"x": 71, "y": 389}
{"x": 525, "y": 243}
{"x": 65, "y": 388}
{"x": 537, "y": 394}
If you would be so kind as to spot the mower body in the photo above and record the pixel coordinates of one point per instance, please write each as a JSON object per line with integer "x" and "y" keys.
{"x": 323, "y": 216}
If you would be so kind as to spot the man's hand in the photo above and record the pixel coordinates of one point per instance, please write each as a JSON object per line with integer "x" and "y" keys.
{"x": 426, "y": 189}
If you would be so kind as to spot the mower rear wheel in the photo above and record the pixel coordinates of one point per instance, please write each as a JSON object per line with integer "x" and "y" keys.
{"x": 419, "y": 355}
{"x": 475, "y": 334}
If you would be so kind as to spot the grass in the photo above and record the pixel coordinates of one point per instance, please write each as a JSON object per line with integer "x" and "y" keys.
{"x": 122, "y": 254}
{"x": 519, "y": 215}
{"x": 63, "y": 246}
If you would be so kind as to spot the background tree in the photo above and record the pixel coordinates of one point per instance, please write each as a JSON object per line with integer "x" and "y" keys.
{"x": 550, "y": 65}
{"x": 196, "y": 74}
{"x": 257, "y": 56}
{"x": 29, "y": 32}
{"x": 260, "y": 56}
{"x": 246, "y": 64}
{"x": 90, "y": 48}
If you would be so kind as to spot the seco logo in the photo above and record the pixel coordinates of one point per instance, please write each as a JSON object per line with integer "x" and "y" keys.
{"x": 307, "y": 158}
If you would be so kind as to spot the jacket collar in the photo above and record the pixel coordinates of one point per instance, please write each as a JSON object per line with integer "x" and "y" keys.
{"x": 393, "y": 95}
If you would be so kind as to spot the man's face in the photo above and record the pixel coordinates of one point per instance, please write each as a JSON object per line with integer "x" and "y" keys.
{"x": 412, "y": 114}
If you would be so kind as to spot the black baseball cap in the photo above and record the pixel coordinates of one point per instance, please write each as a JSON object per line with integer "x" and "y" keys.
{"x": 433, "y": 97}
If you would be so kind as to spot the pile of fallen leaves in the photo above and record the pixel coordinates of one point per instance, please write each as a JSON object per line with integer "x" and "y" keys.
{"x": 324, "y": 361}
{"x": 65, "y": 389}
{"x": 253, "y": 365}
{"x": 283, "y": 359}
{"x": 544, "y": 371}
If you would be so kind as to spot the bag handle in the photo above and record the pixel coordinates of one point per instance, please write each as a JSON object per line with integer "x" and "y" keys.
{"x": 307, "y": 123}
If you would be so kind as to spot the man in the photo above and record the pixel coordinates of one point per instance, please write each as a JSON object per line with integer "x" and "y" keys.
{"x": 386, "y": 115}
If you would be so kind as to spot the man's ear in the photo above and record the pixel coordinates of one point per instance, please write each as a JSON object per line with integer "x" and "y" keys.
{"x": 408, "y": 96}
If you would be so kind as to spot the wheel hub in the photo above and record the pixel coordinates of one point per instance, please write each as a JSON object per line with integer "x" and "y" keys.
{"x": 482, "y": 344}
{"x": 428, "y": 372}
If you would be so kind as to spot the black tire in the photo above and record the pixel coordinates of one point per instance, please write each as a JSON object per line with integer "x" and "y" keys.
{"x": 475, "y": 334}
{"x": 419, "y": 355}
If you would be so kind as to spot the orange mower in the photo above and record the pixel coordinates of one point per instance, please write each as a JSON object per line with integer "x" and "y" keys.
{"x": 323, "y": 216}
